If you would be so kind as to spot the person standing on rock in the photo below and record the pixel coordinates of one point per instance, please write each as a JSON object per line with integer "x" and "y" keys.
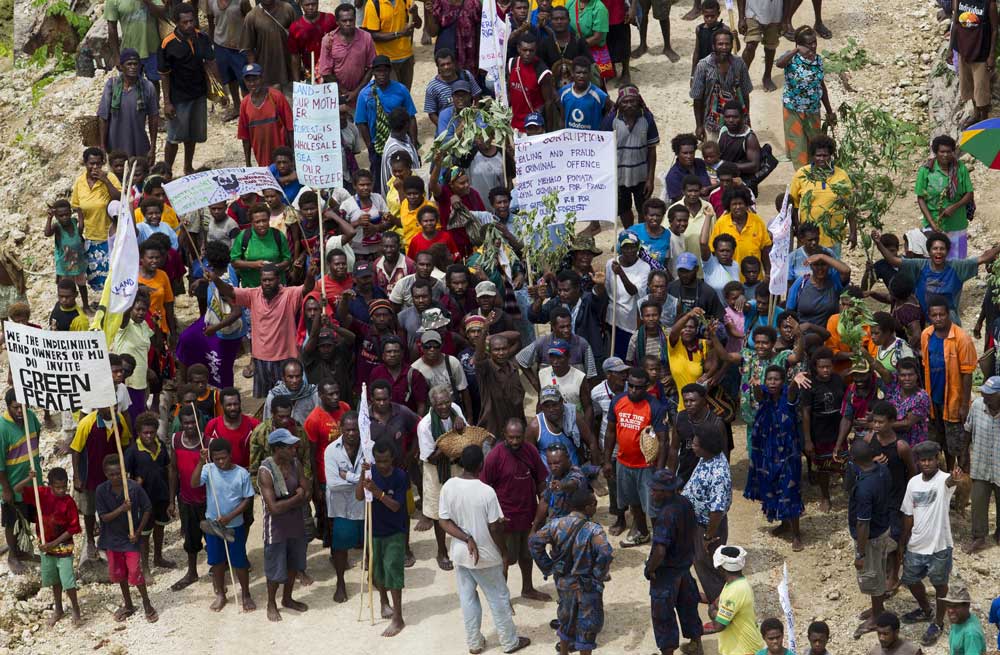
{"x": 802, "y": 96}
{"x": 719, "y": 78}
{"x": 185, "y": 63}
{"x": 265, "y": 42}
{"x": 974, "y": 28}
{"x": 129, "y": 106}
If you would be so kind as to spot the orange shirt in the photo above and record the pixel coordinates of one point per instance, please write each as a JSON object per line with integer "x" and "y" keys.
{"x": 323, "y": 428}
{"x": 838, "y": 347}
{"x": 630, "y": 419}
{"x": 959, "y": 359}
{"x": 160, "y": 293}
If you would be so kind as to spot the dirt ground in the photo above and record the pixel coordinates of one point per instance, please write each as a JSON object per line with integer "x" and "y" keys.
{"x": 41, "y": 153}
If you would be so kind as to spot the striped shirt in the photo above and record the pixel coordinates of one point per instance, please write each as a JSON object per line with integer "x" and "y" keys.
{"x": 438, "y": 93}
{"x": 985, "y": 456}
{"x": 633, "y": 146}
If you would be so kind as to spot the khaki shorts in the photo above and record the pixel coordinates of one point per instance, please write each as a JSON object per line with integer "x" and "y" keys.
{"x": 432, "y": 490}
{"x": 974, "y": 82}
{"x": 872, "y": 578}
{"x": 770, "y": 34}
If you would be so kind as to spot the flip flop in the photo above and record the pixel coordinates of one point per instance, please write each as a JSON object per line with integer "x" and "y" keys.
{"x": 824, "y": 32}
{"x": 152, "y": 616}
{"x": 633, "y": 540}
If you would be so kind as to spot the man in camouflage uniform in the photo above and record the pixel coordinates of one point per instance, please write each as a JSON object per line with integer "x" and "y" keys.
{"x": 672, "y": 590}
{"x": 563, "y": 480}
{"x": 581, "y": 557}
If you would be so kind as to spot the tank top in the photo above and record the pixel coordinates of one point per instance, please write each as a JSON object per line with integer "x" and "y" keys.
{"x": 279, "y": 528}
{"x": 570, "y": 438}
{"x": 733, "y": 147}
{"x": 569, "y": 384}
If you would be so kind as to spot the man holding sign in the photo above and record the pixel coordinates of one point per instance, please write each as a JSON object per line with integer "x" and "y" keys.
{"x": 17, "y": 458}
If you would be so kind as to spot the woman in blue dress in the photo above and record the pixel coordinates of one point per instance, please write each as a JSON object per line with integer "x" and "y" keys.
{"x": 776, "y": 456}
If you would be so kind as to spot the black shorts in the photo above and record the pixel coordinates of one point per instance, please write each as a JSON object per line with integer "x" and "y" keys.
{"x": 191, "y": 517}
{"x": 8, "y": 513}
{"x": 627, "y": 195}
{"x": 619, "y": 42}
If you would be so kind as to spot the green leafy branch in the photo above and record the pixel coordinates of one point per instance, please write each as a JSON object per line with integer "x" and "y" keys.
{"x": 541, "y": 253}
{"x": 853, "y": 325}
{"x": 851, "y": 57}
{"x": 488, "y": 122}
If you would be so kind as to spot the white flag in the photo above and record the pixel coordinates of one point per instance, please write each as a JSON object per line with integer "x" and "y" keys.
{"x": 786, "y": 602}
{"x": 365, "y": 427}
{"x": 123, "y": 272}
{"x": 780, "y": 228}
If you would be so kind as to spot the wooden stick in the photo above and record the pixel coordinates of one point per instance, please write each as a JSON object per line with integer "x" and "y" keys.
{"x": 371, "y": 562}
{"x": 321, "y": 253}
{"x": 218, "y": 510}
{"x": 121, "y": 463}
{"x": 771, "y": 306}
{"x": 34, "y": 478}
{"x": 364, "y": 558}
{"x": 312, "y": 68}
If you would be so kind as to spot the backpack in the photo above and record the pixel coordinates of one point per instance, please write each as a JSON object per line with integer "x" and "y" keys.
{"x": 245, "y": 240}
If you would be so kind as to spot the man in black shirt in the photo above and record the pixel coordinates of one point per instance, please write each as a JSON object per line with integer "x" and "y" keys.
{"x": 185, "y": 61}
{"x": 560, "y": 42}
{"x": 693, "y": 292}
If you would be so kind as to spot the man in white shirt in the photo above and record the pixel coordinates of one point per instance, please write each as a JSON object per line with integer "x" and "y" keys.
{"x": 925, "y": 545}
{"x": 470, "y": 513}
{"x": 443, "y": 416}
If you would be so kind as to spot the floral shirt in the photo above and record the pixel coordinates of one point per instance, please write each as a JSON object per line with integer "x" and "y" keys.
{"x": 754, "y": 367}
{"x": 919, "y": 404}
{"x": 710, "y": 488}
{"x": 803, "y": 85}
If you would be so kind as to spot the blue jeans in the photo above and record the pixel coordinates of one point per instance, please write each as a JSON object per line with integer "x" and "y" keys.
{"x": 494, "y": 587}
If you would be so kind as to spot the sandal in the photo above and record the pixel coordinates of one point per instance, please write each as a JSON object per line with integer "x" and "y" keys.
{"x": 633, "y": 540}
{"x": 916, "y": 616}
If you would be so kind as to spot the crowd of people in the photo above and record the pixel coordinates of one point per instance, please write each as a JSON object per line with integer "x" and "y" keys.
{"x": 630, "y": 389}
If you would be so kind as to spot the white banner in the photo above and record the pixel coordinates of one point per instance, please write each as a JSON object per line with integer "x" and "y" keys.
{"x": 493, "y": 49}
{"x": 123, "y": 271}
{"x": 580, "y": 165}
{"x": 786, "y": 605}
{"x": 319, "y": 160}
{"x": 59, "y": 371}
{"x": 193, "y": 192}
{"x": 780, "y": 228}
{"x": 365, "y": 427}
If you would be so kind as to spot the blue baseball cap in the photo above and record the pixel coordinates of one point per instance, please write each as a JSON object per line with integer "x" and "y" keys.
{"x": 534, "y": 118}
{"x": 687, "y": 261}
{"x": 253, "y": 69}
{"x": 991, "y": 386}
{"x": 283, "y": 436}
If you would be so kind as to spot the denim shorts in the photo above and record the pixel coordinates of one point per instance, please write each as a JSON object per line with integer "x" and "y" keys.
{"x": 633, "y": 486}
{"x": 935, "y": 567}
{"x": 150, "y": 66}
{"x": 230, "y": 63}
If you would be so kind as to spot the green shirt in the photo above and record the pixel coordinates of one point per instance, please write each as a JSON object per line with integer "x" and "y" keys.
{"x": 272, "y": 247}
{"x": 137, "y": 27}
{"x": 14, "y": 448}
{"x": 593, "y": 18}
{"x": 967, "y": 638}
{"x": 932, "y": 186}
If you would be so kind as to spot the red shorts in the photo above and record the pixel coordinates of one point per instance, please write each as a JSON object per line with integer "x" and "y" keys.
{"x": 125, "y": 565}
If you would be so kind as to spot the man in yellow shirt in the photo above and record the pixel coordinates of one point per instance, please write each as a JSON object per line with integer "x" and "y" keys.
{"x": 822, "y": 196}
{"x": 748, "y": 228}
{"x": 736, "y": 620}
{"x": 391, "y": 24}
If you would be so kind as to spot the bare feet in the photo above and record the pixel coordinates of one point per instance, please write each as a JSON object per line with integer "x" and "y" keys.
{"x": 124, "y": 612}
{"x": 394, "y": 628}
{"x": 164, "y": 564}
{"x": 340, "y": 594}
{"x": 797, "y": 544}
{"x": 692, "y": 14}
{"x": 56, "y": 616}
{"x": 248, "y": 604}
{"x": 232, "y": 114}
{"x": 975, "y": 546}
{"x": 769, "y": 85}
{"x": 293, "y": 604}
{"x": 825, "y": 505}
{"x": 779, "y": 529}
{"x": 305, "y": 579}
{"x": 410, "y": 560}
{"x": 15, "y": 565}
{"x": 624, "y": 80}
{"x": 219, "y": 603}
{"x": 273, "y": 614}
{"x": 77, "y": 619}
{"x": 184, "y": 582}
{"x": 423, "y": 525}
{"x": 640, "y": 51}
{"x": 534, "y": 594}
{"x": 671, "y": 55}
{"x": 617, "y": 529}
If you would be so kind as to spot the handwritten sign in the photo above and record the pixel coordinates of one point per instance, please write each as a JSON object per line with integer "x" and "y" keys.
{"x": 580, "y": 165}
{"x": 493, "y": 49}
{"x": 193, "y": 192}
{"x": 318, "y": 155}
{"x": 59, "y": 371}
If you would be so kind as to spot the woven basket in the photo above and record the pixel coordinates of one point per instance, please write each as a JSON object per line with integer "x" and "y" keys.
{"x": 452, "y": 443}
{"x": 649, "y": 445}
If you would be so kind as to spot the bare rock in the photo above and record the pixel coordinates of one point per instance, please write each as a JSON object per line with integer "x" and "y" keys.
{"x": 23, "y": 587}
{"x": 833, "y": 595}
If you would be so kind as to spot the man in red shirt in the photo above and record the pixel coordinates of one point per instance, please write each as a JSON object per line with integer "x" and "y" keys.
{"x": 428, "y": 218}
{"x": 234, "y": 426}
{"x": 265, "y": 121}
{"x": 629, "y": 414}
{"x": 530, "y": 85}
{"x": 408, "y": 385}
{"x": 322, "y": 426}
{"x": 305, "y": 36}
{"x": 515, "y": 471}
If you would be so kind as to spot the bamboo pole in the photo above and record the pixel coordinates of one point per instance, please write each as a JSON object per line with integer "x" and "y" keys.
{"x": 121, "y": 464}
{"x": 218, "y": 509}
{"x": 365, "y": 556}
{"x": 371, "y": 562}
{"x": 34, "y": 477}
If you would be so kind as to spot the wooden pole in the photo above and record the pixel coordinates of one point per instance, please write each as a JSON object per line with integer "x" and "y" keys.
{"x": 371, "y": 562}
{"x": 121, "y": 464}
{"x": 365, "y": 556}
{"x": 614, "y": 289}
{"x": 218, "y": 509}
{"x": 34, "y": 478}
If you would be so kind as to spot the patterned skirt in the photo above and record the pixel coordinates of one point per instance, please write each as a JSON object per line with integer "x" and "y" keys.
{"x": 799, "y": 129}
{"x": 97, "y": 264}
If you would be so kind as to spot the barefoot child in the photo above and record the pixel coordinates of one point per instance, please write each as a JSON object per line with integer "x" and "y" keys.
{"x": 119, "y": 545}
{"x": 388, "y": 485}
{"x": 70, "y": 250}
{"x": 61, "y": 522}
{"x": 148, "y": 463}
{"x": 229, "y": 485}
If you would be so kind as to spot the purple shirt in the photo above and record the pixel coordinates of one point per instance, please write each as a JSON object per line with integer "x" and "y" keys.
{"x": 515, "y": 476}
{"x": 219, "y": 355}
{"x": 919, "y": 404}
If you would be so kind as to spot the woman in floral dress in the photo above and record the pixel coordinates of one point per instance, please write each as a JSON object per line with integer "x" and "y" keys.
{"x": 803, "y": 93}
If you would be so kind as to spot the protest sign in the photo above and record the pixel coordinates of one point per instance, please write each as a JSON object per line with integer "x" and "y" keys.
{"x": 318, "y": 155}
{"x": 493, "y": 49}
{"x": 192, "y": 192}
{"x": 580, "y": 165}
{"x": 781, "y": 237}
{"x": 59, "y": 371}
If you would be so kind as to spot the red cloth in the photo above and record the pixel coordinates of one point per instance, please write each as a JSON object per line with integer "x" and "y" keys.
{"x": 305, "y": 38}
{"x": 59, "y": 515}
{"x": 408, "y": 389}
{"x": 323, "y": 428}
{"x": 187, "y": 459}
{"x": 616, "y": 11}
{"x": 515, "y": 476}
{"x": 524, "y": 89}
{"x": 463, "y": 20}
{"x": 239, "y": 438}
{"x": 420, "y": 243}
{"x": 265, "y": 127}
